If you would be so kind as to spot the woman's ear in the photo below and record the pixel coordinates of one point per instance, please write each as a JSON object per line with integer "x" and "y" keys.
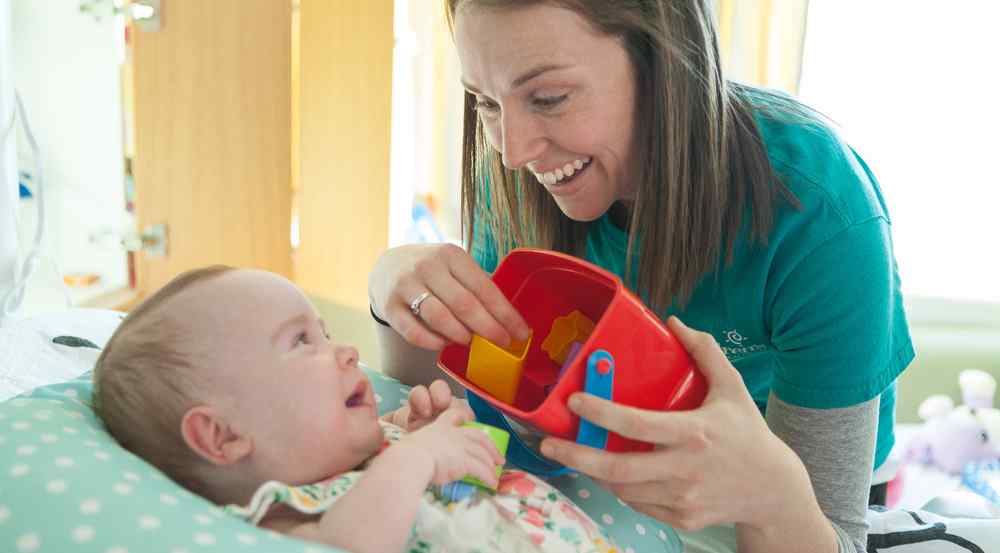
{"x": 211, "y": 437}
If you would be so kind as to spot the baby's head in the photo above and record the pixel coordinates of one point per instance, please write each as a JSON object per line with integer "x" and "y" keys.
{"x": 225, "y": 378}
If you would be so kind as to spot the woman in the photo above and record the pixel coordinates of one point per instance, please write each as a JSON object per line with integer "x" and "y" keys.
{"x": 607, "y": 130}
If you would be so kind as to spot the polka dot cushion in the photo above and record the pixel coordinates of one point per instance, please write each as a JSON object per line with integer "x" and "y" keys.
{"x": 65, "y": 484}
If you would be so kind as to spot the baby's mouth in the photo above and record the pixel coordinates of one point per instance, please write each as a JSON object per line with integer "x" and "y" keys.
{"x": 358, "y": 396}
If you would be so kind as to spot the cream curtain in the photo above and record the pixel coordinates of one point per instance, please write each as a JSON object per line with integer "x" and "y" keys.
{"x": 761, "y": 41}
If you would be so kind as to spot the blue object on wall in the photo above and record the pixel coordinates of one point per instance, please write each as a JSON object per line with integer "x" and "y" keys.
{"x": 423, "y": 229}
{"x": 22, "y": 189}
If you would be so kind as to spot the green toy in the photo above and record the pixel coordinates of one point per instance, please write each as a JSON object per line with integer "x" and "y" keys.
{"x": 500, "y": 438}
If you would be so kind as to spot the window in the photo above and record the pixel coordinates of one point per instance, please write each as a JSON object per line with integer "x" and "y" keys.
{"x": 914, "y": 88}
{"x": 427, "y": 103}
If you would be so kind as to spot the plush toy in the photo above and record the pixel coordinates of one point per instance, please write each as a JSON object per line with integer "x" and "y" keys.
{"x": 954, "y": 436}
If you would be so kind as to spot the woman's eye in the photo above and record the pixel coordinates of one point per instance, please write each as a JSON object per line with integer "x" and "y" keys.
{"x": 301, "y": 339}
{"x": 549, "y": 102}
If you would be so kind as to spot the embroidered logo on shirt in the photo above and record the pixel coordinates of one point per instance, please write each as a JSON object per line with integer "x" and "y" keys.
{"x": 735, "y": 345}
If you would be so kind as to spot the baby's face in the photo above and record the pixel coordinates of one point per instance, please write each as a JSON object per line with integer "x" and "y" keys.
{"x": 279, "y": 379}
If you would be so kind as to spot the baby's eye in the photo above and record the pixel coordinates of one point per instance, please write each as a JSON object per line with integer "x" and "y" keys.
{"x": 301, "y": 339}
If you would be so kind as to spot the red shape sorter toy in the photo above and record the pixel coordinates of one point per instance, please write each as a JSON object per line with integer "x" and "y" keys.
{"x": 651, "y": 368}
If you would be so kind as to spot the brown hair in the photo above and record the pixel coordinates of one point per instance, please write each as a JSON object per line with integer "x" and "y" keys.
{"x": 143, "y": 383}
{"x": 700, "y": 163}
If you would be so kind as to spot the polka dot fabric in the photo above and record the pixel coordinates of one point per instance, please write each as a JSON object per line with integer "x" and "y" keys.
{"x": 65, "y": 485}
{"x": 633, "y": 531}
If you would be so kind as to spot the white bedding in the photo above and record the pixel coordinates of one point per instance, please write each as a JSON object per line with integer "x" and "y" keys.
{"x": 29, "y": 358}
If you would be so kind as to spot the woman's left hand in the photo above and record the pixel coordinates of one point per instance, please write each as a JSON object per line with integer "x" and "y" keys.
{"x": 716, "y": 464}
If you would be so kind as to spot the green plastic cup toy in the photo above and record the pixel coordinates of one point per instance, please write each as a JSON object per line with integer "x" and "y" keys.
{"x": 500, "y": 439}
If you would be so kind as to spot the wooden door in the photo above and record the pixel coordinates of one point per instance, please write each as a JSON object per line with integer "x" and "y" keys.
{"x": 212, "y": 136}
{"x": 343, "y": 195}
{"x": 346, "y": 103}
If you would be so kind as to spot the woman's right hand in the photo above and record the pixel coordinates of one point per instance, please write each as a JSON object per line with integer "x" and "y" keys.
{"x": 463, "y": 300}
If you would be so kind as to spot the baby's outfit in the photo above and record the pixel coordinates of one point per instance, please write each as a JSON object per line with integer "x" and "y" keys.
{"x": 525, "y": 514}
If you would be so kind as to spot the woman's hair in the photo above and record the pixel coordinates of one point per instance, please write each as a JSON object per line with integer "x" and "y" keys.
{"x": 144, "y": 382}
{"x": 699, "y": 164}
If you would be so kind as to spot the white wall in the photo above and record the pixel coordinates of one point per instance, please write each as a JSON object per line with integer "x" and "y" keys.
{"x": 66, "y": 68}
{"x": 8, "y": 171}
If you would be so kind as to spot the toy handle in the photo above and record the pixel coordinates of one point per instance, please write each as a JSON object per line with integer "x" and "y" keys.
{"x": 517, "y": 451}
{"x": 599, "y": 382}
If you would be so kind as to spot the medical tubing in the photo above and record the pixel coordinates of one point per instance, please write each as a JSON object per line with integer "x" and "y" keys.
{"x": 12, "y": 301}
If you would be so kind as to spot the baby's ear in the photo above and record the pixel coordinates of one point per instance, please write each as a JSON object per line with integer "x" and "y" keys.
{"x": 211, "y": 437}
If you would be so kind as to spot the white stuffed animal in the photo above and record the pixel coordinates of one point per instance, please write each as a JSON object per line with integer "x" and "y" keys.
{"x": 955, "y": 436}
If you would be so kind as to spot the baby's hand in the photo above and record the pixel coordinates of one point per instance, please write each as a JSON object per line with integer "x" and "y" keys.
{"x": 424, "y": 406}
{"x": 455, "y": 451}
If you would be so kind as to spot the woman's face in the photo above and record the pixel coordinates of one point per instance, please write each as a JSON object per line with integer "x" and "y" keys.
{"x": 555, "y": 97}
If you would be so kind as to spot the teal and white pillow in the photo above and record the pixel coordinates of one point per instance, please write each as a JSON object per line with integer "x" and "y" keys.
{"x": 66, "y": 485}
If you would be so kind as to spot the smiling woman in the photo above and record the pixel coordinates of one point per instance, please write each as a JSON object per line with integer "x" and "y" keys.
{"x": 610, "y": 132}
{"x": 546, "y": 110}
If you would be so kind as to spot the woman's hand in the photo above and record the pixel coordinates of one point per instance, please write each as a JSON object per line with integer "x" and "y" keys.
{"x": 425, "y": 404}
{"x": 462, "y": 301}
{"x": 716, "y": 464}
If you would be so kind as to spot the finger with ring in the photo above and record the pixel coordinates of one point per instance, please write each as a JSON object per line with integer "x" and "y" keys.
{"x": 415, "y": 304}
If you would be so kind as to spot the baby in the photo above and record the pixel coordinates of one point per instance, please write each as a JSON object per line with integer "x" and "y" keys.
{"x": 227, "y": 381}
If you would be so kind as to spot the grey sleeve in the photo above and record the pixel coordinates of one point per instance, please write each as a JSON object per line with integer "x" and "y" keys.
{"x": 837, "y": 447}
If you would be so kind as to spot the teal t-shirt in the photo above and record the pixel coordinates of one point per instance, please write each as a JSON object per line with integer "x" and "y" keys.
{"x": 816, "y": 315}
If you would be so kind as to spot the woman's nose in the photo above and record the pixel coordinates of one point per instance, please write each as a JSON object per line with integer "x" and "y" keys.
{"x": 346, "y": 356}
{"x": 521, "y": 139}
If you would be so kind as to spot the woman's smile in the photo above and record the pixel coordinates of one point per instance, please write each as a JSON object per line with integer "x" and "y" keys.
{"x": 571, "y": 185}
{"x": 564, "y": 173}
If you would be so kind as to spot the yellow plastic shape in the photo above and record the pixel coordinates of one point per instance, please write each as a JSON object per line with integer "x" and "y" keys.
{"x": 575, "y": 327}
{"x": 495, "y": 369}
{"x": 500, "y": 439}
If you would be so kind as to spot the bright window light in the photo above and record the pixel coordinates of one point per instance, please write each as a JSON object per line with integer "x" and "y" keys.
{"x": 913, "y": 86}
{"x": 141, "y": 11}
